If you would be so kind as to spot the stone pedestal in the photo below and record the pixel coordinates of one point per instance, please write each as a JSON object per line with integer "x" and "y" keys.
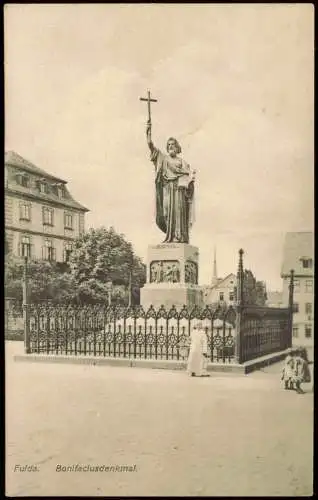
{"x": 172, "y": 276}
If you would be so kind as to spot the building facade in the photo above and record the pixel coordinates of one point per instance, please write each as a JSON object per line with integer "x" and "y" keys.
{"x": 222, "y": 292}
{"x": 298, "y": 255}
{"x": 42, "y": 219}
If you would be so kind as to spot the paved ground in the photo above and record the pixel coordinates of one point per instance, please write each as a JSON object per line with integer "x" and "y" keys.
{"x": 224, "y": 435}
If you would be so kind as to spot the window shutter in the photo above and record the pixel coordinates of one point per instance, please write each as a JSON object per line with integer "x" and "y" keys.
{"x": 43, "y": 253}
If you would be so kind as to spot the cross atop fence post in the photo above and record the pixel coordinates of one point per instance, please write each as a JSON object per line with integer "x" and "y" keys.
{"x": 239, "y": 306}
{"x": 25, "y": 290}
{"x": 291, "y": 308}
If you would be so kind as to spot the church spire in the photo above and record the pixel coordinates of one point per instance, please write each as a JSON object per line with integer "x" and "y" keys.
{"x": 215, "y": 274}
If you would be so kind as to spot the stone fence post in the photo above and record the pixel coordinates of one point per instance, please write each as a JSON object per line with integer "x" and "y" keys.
{"x": 239, "y": 307}
{"x": 291, "y": 309}
{"x": 26, "y": 306}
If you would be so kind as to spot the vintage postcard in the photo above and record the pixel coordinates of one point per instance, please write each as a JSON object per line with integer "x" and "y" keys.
{"x": 159, "y": 255}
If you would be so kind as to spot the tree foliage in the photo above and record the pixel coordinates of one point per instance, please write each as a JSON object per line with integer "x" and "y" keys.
{"x": 99, "y": 257}
{"x": 102, "y": 256}
{"x": 46, "y": 281}
{"x": 254, "y": 291}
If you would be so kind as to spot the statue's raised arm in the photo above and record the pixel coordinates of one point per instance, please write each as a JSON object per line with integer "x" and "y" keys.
{"x": 149, "y": 139}
{"x": 149, "y": 100}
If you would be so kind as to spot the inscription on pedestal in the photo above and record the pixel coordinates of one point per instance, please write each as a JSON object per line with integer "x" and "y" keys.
{"x": 170, "y": 245}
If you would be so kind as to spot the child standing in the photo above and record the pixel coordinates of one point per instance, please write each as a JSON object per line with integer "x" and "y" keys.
{"x": 301, "y": 369}
{"x": 288, "y": 370}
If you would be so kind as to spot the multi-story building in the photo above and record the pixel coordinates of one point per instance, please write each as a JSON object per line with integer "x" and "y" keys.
{"x": 298, "y": 255}
{"x": 42, "y": 219}
{"x": 222, "y": 292}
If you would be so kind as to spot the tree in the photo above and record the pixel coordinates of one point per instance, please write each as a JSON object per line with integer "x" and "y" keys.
{"x": 46, "y": 280}
{"x": 101, "y": 256}
{"x": 254, "y": 291}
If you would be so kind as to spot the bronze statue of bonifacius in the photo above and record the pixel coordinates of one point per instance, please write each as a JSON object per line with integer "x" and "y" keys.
{"x": 174, "y": 183}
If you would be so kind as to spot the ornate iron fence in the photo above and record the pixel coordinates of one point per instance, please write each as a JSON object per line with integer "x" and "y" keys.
{"x": 129, "y": 332}
{"x": 264, "y": 330}
{"x": 239, "y": 333}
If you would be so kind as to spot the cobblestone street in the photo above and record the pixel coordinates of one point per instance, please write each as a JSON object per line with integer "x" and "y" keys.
{"x": 224, "y": 435}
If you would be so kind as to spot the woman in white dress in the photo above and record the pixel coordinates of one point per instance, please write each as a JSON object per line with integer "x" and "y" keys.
{"x": 197, "y": 361}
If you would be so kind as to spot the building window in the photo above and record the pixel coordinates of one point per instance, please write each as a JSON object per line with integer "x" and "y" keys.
{"x": 221, "y": 296}
{"x": 48, "y": 251}
{"x": 68, "y": 221}
{"x": 307, "y": 263}
{"x": 25, "y": 211}
{"x": 231, "y": 296}
{"x": 308, "y": 308}
{"x": 296, "y": 307}
{"x": 54, "y": 189}
{"x": 67, "y": 252}
{"x": 296, "y": 286}
{"x": 23, "y": 180}
{"x": 308, "y": 286}
{"x": 308, "y": 331}
{"x": 57, "y": 189}
{"x": 48, "y": 216}
{"x": 61, "y": 191}
{"x": 295, "y": 331}
{"x": 25, "y": 247}
{"x": 44, "y": 187}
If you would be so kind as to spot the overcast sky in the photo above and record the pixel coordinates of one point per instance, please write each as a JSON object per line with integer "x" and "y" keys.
{"x": 234, "y": 84}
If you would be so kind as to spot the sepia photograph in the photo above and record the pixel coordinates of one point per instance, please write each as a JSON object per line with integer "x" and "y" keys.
{"x": 159, "y": 249}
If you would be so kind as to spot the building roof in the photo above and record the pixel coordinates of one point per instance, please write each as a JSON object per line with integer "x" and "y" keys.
{"x": 15, "y": 160}
{"x": 221, "y": 281}
{"x": 297, "y": 246}
{"x": 12, "y": 158}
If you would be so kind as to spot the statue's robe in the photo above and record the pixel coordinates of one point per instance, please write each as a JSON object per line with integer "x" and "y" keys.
{"x": 174, "y": 197}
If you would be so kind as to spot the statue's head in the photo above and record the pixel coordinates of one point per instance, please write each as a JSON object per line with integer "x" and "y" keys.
{"x": 173, "y": 147}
